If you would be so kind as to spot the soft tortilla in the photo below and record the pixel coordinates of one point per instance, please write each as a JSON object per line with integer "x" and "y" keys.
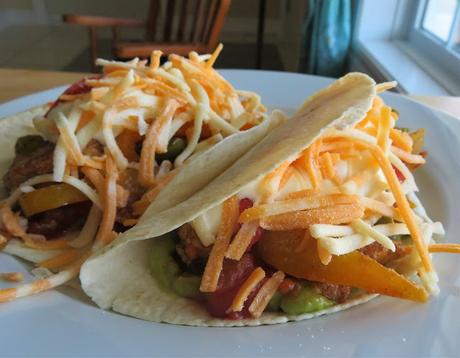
{"x": 119, "y": 277}
{"x": 209, "y": 164}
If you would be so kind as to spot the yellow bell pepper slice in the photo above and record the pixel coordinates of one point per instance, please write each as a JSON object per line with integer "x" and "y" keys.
{"x": 296, "y": 254}
{"x": 50, "y": 197}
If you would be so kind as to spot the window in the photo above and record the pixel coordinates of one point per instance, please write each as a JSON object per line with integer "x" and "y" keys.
{"x": 435, "y": 34}
{"x": 438, "y": 19}
{"x": 416, "y": 42}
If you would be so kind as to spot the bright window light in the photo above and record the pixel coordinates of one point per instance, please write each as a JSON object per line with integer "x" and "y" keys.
{"x": 439, "y": 17}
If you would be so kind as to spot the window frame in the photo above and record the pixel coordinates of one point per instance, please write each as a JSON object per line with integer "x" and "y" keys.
{"x": 382, "y": 46}
{"x": 429, "y": 44}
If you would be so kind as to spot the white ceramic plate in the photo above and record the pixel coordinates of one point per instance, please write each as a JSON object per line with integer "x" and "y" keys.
{"x": 62, "y": 323}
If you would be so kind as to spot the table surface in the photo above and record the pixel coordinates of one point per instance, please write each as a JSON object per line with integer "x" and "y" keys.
{"x": 16, "y": 83}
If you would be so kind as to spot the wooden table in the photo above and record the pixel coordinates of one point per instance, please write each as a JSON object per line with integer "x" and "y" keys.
{"x": 17, "y": 83}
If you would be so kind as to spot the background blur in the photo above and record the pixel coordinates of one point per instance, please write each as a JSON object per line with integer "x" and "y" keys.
{"x": 416, "y": 42}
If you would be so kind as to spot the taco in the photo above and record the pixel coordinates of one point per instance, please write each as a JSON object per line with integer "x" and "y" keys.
{"x": 81, "y": 170}
{"x": 319, "y": 216}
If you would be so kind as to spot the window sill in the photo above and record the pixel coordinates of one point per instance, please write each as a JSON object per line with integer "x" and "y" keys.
{"x": 392, "y": 63}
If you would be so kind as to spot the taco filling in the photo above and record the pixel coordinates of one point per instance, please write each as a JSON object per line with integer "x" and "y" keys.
{"x": 337, "y": 220}
{"x": 106, "y": 148}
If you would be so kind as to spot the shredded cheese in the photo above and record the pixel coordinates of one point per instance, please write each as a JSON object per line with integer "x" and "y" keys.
{"x": 62, "y": 259}
{"x": 149, "y": 146}
{"x": 89, "y": 230}
{"x": 403, "y": 204}
{"x": 9, "y": 294}
{"x": 265, "y": 294}
{"x": 109, "y": 200}
{"x": 242, "y": 240}
{"x": 246, "y": 288}
{"x": 110, "y": 141}
{"x": 447, "y": 248}
{"x": 159, "y": 102}
{"x": 215, "y": 261}
{"x": 365, "y": 229}
{"x": 345, "y": 244}
{"x": 11, "y": 276}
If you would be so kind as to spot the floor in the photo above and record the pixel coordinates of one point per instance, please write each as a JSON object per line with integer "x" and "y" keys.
{"x": 65, "y": 48}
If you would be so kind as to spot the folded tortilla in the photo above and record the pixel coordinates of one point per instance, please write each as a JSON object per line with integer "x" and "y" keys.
{"x": 119, "y": 276}
{"x": 208, "y": 164}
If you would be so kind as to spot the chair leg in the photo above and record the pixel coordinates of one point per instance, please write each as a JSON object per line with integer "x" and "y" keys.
{"x": 260, "y": 34}
{"x": 92, "y": 47}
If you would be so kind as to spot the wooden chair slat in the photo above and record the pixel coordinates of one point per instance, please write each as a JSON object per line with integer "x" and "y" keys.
{"x": 169, "y": 20}
{"x": 152, "y": 20}
{"x": 211, "y": 19}
{"x": 205, "y": 19}
{"x": 196, "y": 21}
{"x": 182, "y": 26}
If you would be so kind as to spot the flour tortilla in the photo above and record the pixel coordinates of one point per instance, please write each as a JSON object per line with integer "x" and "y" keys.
{"x": 192, "y": 177}
{"x": 118, "y": 277}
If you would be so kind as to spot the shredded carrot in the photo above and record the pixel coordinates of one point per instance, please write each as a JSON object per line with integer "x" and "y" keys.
{"x": 209, "y": 63}
{"x": 109, "y": 202}
{"x": 372, "y": 131}
{"x": 156, "y": 87}
{"x": 9, "y": 294}
{"x": 242, "y": 240}
{"x": 44, "y": 244}
{"x": 339, "y": 214}
{"x": 291, "y": 205}
{"x": 448, "y": 248}
{"x": 11, "y": 223}
{"x": 401, "y": 139}
{"x": 290, "y": 171}
{"x": 312, "y": 169}
{"x": 147, "y": 159}
{"x": 125, "y": 103}
{"x": 384, "y": 128}
{"x": 365, "y": 121}
{"x": 305, "y": 194}
{"x": 155, "y": 59}
{"x": 97, "y": 179}
{"x": 265, "y": 294}
{"x": 401, "y": 201}
{"x": 337, "y": 145}
{"x": 141, "y": 205}
{"x": 94, "y": 163}
{"x": 127, "y": 142}
{"x": 199, "y": 72}
{"x": 216, "y": 257}
{"x": 85, "y": 118}
{"x": 270, "y": 184}
{"x": 246, "y": 288}
{"x": 329, "y": 168}
{"x": 62, "y": 259}
{"x": 11, "y": 276}
{"x": 335, "y": 158}
{"x": 408, "y": 157}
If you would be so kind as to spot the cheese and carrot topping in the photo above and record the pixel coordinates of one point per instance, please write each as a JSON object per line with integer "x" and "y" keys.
{"x": 108, "y": 146}
{"x": 329, "y": 217}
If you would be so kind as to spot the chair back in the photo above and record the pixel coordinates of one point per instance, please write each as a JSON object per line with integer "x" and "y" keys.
{"x": 186, "y": 21}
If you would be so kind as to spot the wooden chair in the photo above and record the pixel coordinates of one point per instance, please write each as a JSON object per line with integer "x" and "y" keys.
{"x": 188, "y": 25}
